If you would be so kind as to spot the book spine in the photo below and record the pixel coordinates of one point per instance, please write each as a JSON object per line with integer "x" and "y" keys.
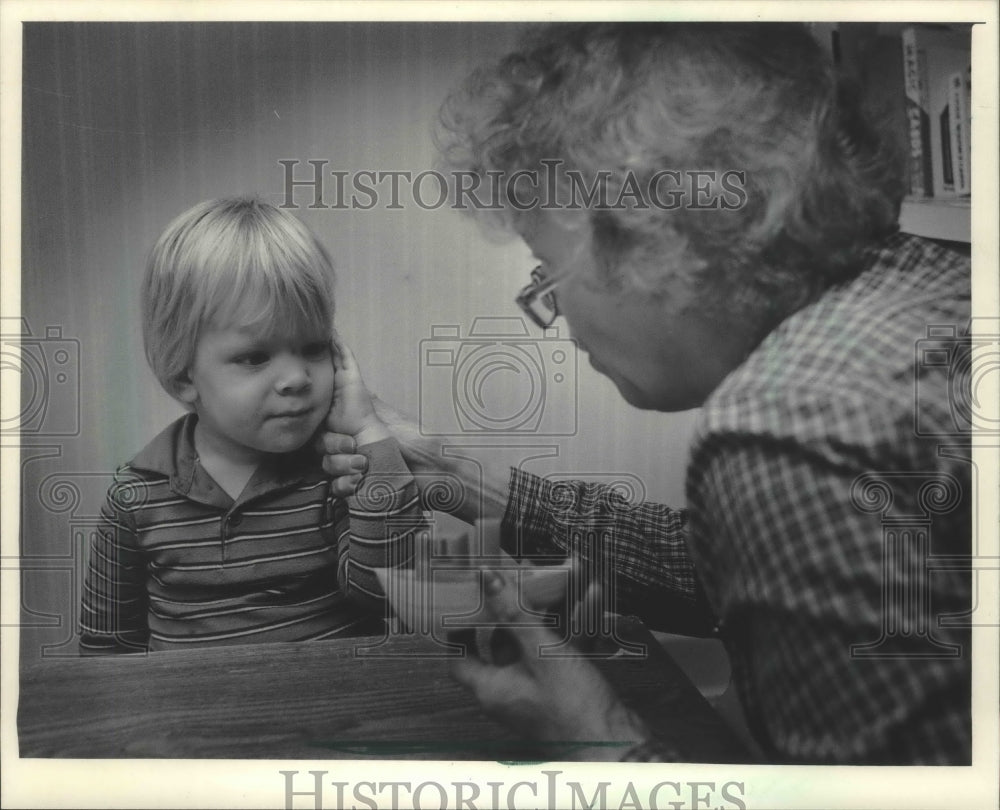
{"x": 947, "y": 163}
{"x": 917, "y": 117}
{"x": 968, "y": 125}
{"x": 958, "y": 103}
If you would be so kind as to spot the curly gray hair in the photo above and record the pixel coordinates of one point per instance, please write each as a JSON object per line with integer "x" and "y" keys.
{"x": 821, "y": 182}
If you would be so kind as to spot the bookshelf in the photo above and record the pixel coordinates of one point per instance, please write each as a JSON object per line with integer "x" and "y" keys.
{"x": 873, "y": 54}
{"x": 937, "y": 219}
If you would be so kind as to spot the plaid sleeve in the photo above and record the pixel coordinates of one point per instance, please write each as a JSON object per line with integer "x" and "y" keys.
{"x": 636, "y": 549}
{"x": 830, "y": 618}
{"x": 385, "y": 521}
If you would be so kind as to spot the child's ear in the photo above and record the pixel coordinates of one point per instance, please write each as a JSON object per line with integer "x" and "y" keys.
{"x": 183, "y": 389}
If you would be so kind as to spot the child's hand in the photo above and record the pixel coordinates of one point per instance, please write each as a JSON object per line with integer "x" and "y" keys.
{"x": 352, "y": 412}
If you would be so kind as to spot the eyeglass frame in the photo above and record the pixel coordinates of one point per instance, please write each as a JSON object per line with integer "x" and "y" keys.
{"x": 538, "y": 289}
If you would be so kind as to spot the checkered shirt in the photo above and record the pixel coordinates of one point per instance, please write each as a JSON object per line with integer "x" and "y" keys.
{"x": 829, "y": 522}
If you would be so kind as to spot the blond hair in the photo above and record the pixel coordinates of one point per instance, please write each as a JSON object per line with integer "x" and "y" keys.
{"x": 231, "y": 262}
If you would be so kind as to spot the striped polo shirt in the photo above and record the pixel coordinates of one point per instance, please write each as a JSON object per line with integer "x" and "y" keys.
{"x": 177, "y": 563}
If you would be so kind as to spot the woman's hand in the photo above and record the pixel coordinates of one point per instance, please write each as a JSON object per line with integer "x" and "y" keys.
{"x": 339, "y": 447}
{"x": 561, "y": 699}
{"x": 352, "y": 412}
{"x": 473, "y": 473}
{"x": 341, "y": 461}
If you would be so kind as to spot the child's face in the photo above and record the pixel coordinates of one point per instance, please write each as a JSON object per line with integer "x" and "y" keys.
{"x": 257, "y": 395}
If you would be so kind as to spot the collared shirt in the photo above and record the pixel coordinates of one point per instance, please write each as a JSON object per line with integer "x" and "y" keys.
{"x": 178, "y": 563}
{"x": 829, "y": 515}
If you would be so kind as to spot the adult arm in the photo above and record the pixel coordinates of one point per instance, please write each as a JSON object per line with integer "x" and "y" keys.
{"x": 474, "y": 485}
{"x": 637, "y": 550}
{"x": 384, "y": 519}
{"x": 808, "y": 581}
{"x": 800, "y": 568}
{"x": 383, "y": 525}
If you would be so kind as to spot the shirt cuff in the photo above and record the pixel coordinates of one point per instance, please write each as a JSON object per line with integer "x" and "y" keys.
{"x": 526, "y": 526}
{"x": 388, "y": 486}
{"x": 384, "y": 456}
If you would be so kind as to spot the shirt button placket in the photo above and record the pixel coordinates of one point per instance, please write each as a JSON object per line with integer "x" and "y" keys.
{"x": 232, "y": 520}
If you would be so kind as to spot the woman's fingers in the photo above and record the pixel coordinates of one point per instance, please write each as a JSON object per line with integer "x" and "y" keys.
{"x": 344, "y": 362}
{"x": 344, "y": 486}
{"x": 341, "y": 462}
{"x": 337, "y": 350}
{"x": 471, "y": 671}
{"x": 340, "y": 456}
{"x": 347, "y": 361}
{"x": 547, "y": 587}
{"x": 501, "y": 673}
{"x": 515, "y": 638}
{"x": 333, "y": 443}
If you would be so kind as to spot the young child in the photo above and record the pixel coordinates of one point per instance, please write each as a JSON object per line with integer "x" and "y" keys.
{"x": 224, "y": 529}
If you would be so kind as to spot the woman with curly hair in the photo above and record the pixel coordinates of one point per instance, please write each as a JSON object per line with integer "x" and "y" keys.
{"x": 716, "y": 220}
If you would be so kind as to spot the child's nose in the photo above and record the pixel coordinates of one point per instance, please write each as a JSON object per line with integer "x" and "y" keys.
{"x": 293, "y": 375}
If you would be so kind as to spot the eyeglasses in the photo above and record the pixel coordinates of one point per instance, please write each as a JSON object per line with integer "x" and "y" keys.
{"x": 538, "y": 299}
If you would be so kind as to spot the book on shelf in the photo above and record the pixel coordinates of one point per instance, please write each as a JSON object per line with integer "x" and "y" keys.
{"x": 960, "y": 123}
{"x": 931, "y": 58}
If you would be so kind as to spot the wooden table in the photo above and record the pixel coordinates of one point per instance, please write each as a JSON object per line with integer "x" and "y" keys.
{"x": 351, "y": 698}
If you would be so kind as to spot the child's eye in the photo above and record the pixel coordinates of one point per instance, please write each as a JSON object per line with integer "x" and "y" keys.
{"x": 252, "y": 359}
{"x": 317, "y": 349}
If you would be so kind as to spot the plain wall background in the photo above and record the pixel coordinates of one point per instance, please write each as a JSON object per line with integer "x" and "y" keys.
{"x": 127, "y": 125}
